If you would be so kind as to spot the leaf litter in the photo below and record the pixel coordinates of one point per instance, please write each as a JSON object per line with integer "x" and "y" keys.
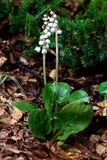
{"x": 16, "y": 140}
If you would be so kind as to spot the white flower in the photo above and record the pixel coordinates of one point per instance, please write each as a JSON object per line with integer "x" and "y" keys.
{"x": 54, "y": 15}
{"x": 51, "y": 19}
{"x": 59, "y": 32}
{"x": 56, "y": 21}
{"x": 46, "y": 46}
{"x": 45, "y": 31}
{"x": 50, "y": 24}
{"x": 41, "y": 37}
{"x": 45, "y": 19}
{"x": 48, "y": 34}
{"x": 45, "y": 36}
{"x": 52, "y": 29}
{"x": 41, "y": 43}
{"x": 45, "y": 15}
{"x": 48, "y": 41}
{"x": 51, "y": 12}
{"x": 47, "y": 27}
{"x": 55, "y": 25}
{"x": 45, "y": 23}
{"x": 37, "y": 49}
{"x": 44, "y": 51}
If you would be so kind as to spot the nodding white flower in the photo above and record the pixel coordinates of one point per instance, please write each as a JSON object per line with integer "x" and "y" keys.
{"x": 44, "y": 51}
{"x": 48, "y": 41}
{"x": 59, "y": 32}
{"x": 43, "y": 26}
{"x": 46, "y": 46}
{"x": 45, "y": 23}
{"x": 55, "y": 25}
{"x": 45, "y": 19}
{"x": 48, "y": 33}
{"x": 41, "y": 43}
{"x": 45, "y": 36}
{"x": 45, "y": 15}
{"x": 47, "y": 27}
{"x": 54, "y": 15}
{"x": 51, "y": 12}
{"x": 41, "y": 37}
{"x": 51, "y": 19}
{"x": 52, "y": 29}
{"x": 45, "y": 31}
{"x": 56, "y": 21}
{"x": 37, "y": 49}
{"x": 50, "y": 24}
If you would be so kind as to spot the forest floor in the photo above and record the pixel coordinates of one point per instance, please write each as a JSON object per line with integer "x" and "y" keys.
{"x": 16, "y": 140}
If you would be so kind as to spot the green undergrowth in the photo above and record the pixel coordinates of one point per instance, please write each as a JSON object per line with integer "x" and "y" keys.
{"x": 84, "y": 38}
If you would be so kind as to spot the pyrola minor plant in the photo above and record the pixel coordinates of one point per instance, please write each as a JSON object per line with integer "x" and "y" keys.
{"x": 56, "y": 121}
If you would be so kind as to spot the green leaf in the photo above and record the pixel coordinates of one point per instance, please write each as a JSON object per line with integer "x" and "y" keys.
{"x": 25, "y": 106}
{"x": 48, "y": 97}
{"x": 39, "y": 123}
{"x": 102, "y": 88}
{"x": 63, "y": 92}
{"x": 75, "y": 117}
{"x": 79, "y": 95}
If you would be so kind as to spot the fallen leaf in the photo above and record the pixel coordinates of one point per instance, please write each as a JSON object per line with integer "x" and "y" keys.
{"x": 16, "y": 114}
{"x": 100, "y": 149}
{"x": 52, "y": 74}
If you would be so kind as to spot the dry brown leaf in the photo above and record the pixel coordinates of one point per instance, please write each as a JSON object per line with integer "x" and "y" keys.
{"x": 104, "y": 137}
{"x": 24, "y": 61}
{"x": 17, "y": 114}
{"x": 11, "y": 149}
{"x": 52, "y": 74}
{"x": 7, "y": 120}
{"x": 102, "y": 104}
{"x": 100, "y": 149}
{"x": 94, "y": 138}
{"x": 2, "y": 111}
{"x": 66, "y": 152}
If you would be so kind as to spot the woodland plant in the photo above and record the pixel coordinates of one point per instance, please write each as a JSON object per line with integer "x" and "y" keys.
{"x": 102, "y": 88}
{"x": 63, "y": 113}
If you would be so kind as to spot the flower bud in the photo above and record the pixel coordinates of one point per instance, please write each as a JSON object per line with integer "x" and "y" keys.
{"x": 41, "y": 37}
{"x": 56, "y": 21}
{"x": 45, "y": 36}
{"x": 59, "y": 32}
{"x": 50, "y": 24}
{"x": 52, "y": 29}
{"x": 51, "y": 19}
{"x": 45, "y": 23}
{"x": 46, "y": 46}
{"x": 51, "y": 12}
{"x": 41, "y": 43}
{"x": 48, "y": 41}
{"x": 45, "y": 15}
{"x": 37, "y": 49}
{"x": 54, "y": 15}
{"x": 55, "y": 25}
{"x": 44, "y": 51}
{"x": 45, "y": 31}
{"x": 48, "y": 34}
{"x": 45, "y": 19}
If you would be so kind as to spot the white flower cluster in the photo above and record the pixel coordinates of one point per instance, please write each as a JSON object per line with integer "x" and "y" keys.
{"x": 50, "y": 25}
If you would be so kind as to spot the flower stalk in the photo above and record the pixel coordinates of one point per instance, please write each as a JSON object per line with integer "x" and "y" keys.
{"x": 56, "y": 40}
{"x": 44, "y": 68}
{"x": 50, "y": 26}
